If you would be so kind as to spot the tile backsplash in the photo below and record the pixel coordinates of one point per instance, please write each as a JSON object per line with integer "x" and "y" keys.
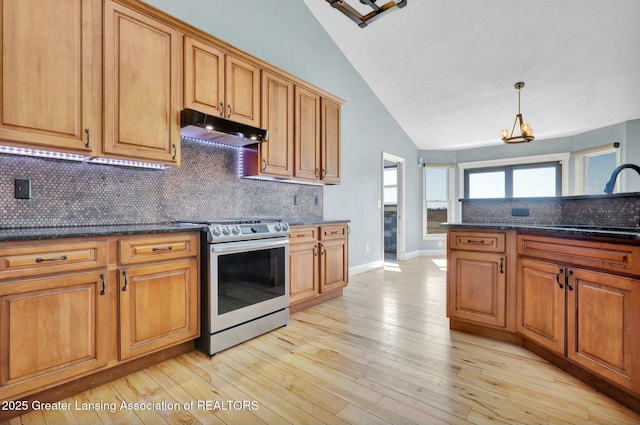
{"x": 206, "y": 185}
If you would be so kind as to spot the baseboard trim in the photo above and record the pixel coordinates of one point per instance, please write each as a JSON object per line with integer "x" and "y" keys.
{"x": 363, "y": 268}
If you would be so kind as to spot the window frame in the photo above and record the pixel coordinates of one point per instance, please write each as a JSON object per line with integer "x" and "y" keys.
{"x": 508, "y": 176}
{"x": 562, "y": 158}
{"x": 581, "y": 157}
{"x": 451, "y": 195}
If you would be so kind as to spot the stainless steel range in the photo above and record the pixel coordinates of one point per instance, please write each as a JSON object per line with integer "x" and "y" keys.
{"x": 245, "y": 280}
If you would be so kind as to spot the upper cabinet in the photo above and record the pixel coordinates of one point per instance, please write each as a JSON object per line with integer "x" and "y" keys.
{"x": 307, "y": 134}
{"x": 51, "y": 74}
{"x": 218, "y": 83}
{"x": 143, "y": 86}
{"x": 330, "y": 172}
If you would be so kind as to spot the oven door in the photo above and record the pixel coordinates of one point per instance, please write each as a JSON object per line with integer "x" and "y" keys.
{"x": 249, "y": 279}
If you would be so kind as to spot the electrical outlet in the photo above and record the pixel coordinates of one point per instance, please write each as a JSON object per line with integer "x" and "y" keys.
{"x": 440, "y": 244}
{"x": 22, "y": 189}
{"x": 316, "y": 200}
{"x": 367, "y": 247}
{"x": 296, "y": 199}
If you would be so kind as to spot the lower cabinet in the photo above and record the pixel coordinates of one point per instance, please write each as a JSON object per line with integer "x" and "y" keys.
{"x": 62, "y": 317}
{"x": 51, "y": 329}
{"x": 589, "y": 317}
{"x": 318, "y": 264}
{"x": 158, "y": 306}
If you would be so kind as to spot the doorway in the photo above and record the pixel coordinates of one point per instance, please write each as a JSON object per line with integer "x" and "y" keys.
{"x": 392, "y": 207}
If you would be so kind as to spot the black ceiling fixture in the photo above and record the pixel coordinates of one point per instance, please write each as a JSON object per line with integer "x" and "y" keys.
{"x": 364, "y": 20}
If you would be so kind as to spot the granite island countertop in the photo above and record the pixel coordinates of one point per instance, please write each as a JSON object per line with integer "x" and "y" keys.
{"x": 628, "y": 233}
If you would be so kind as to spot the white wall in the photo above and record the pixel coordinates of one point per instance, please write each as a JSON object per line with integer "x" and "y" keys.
{"x": 285, "y": 34}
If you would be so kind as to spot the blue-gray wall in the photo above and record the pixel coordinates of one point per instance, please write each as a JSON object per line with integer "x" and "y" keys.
{"x": 626, "y": 133}
{"x": 285, "y": 34}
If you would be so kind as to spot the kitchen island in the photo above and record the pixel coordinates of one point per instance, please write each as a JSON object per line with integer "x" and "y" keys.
{"x": 569, "y": 293}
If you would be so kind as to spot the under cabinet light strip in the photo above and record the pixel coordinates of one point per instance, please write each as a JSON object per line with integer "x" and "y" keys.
{"x": 38, "y": 153}
{"x": 42, "y": 154}
{"x": 129, "y": 163}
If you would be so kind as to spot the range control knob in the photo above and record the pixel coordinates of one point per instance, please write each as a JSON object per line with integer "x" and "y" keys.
{"x": 285, "y": 226}
{"x": 226, "y": 230}
{"x": 278, "y": 227}
{"x": 216, "y": 231}
{"x": 235, "y": 230}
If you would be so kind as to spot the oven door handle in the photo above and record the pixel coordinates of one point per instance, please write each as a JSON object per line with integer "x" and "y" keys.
{"x": 248, "y": 245}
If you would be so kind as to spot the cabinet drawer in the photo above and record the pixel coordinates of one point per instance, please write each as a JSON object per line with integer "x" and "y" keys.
{"x": 303, "y": 234}
{"x": 22, "y": 260}
{"x": 163, "y": 247}
{"x": 601, "y": 255}
{"x": 333, "y": 232}
{"x": 477, "y": 241}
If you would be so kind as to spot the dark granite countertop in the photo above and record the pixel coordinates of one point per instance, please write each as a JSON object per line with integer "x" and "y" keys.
{"x": 33, "y": 233}
{"x": 316, "y": 222}
{"x": 630, "y": 233}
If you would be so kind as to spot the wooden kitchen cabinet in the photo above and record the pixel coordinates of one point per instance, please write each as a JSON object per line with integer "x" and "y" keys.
{"x": 158, "y": 293}
{"x": 330, "y": 142}
{"x": 318, "y": 264}
{"x": 51, "y": 74}
{"x": 53, "y": 312}
{"x": 142, "y": 86}
{"x": 476, "y": 278}
{"x": 219, "y": 83}
{"x": 585, "y": 315}
{"x": 307, "y": 134}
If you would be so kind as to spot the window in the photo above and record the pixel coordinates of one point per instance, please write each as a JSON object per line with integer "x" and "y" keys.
{"x": 437, "y": 208}
{"x": 390, "y": 185}
{"x": 514, "y": 181}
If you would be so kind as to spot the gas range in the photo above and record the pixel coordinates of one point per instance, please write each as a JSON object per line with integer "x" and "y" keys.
{"x": 228, "y": 230}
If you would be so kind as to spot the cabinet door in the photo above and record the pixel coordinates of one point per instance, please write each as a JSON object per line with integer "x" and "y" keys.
{"x": 330, "y": 172}
{"x": 51, "y": 70}
{"x": 307, "y": 134}
{"x": 142, "y": 86}
{"x": 158, "y": 306}
{"x": 477, "y": 287}
{"x": 203, "y": 77}
{"x": 601, "y": 333}
{"x": 51, "y": 330}
{"x": 303, "y": 271}
{"x": 540, "y": 305}
{"x": 276, "y": 155}
{"x": 242, "y": 91}
{"x": 333, "y": 264}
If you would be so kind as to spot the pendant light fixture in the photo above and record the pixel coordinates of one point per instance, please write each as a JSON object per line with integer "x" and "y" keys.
{"x": 526, "y": 132}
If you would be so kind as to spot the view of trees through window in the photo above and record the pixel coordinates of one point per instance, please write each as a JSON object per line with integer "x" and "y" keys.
{"x": 436, "y": 200}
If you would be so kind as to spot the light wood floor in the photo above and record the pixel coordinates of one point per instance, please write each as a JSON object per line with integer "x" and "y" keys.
{"x": 382, "y": 354}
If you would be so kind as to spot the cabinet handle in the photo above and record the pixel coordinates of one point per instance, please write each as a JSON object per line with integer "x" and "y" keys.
{"x": 323, "y": 174}
{"x": 315, "y": 173}
{"x": 558, "y": 278}
{"x": 230, "y": 110}
{"x": 315, "y": 251}
{"x": 126, "y": 281}
{"x": 480, "y": 241}
{"x": 175, "y": 152}
{"x": 264, "y": 164}
{"x": 501, "y": 265}
{"x": 222, "y": 109}
{"x": 88, "y": 144}
{"x": 169, "y": 248}
{"x": 41, "y": 260}
{"x": 566, "y": 279}
{"x": 322, "y": 249}
{"x": 104, "y": 286}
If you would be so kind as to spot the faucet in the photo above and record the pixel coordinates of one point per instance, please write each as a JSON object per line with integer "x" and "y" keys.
{"x": 608, "y": 188}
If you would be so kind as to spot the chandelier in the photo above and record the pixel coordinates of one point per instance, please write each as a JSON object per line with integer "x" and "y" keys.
{"x": 360, "y": 19}
{"x": 526, "y": 132}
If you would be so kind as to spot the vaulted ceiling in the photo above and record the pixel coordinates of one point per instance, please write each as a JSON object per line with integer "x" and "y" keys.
{"x": 446, "y": 69}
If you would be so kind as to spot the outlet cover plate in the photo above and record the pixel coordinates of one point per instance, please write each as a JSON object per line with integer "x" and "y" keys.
{"x": 22, "y": 189}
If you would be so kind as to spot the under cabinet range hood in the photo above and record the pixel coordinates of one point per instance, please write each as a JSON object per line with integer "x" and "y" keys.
{"x": 212, "y": 128}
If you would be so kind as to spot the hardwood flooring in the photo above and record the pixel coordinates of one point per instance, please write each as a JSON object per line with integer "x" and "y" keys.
{"x": 382, "y": 354}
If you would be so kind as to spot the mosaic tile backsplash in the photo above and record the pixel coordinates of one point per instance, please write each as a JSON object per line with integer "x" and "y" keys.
{"x": 206, "y": 185}
{"x": 615, "y": 210}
